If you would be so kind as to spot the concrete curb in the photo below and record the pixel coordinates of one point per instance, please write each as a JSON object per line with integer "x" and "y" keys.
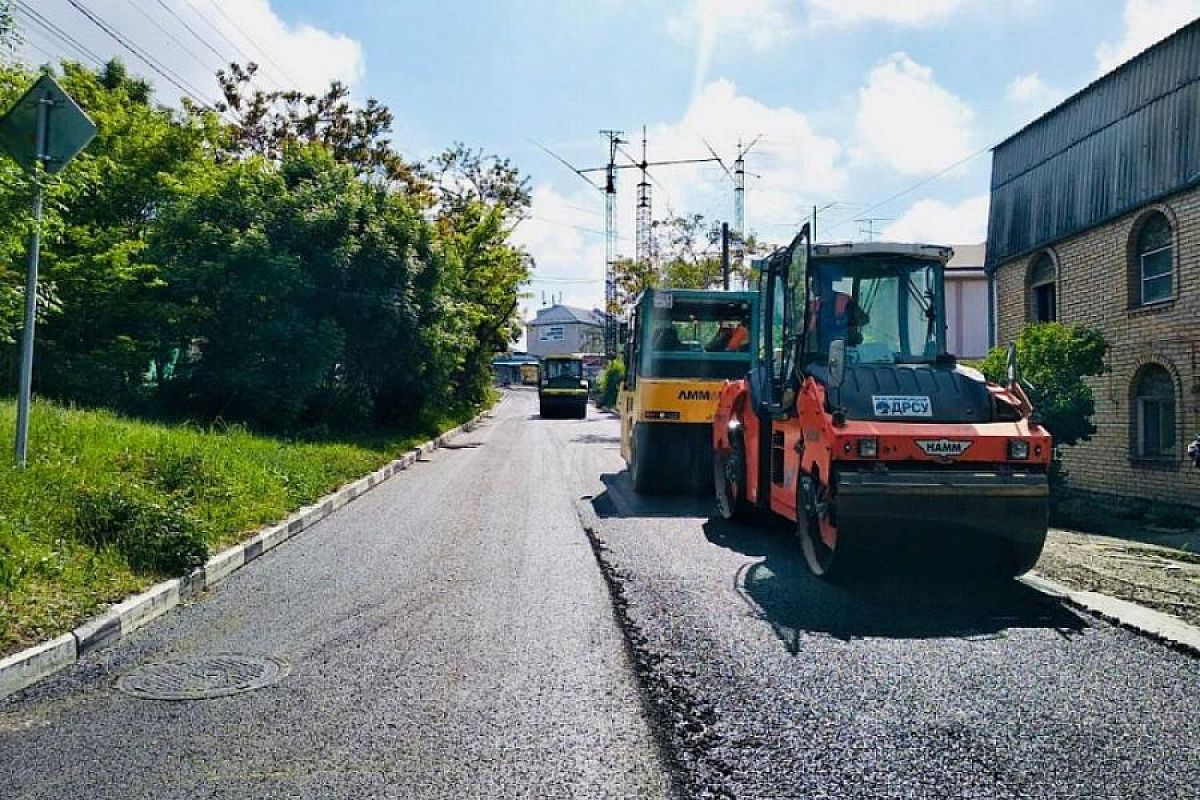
{"x": 1157, "y": 625}
{"x": 27, "y": 667}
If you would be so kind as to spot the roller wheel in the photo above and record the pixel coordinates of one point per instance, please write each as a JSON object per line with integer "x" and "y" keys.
{"x": 1022, "y": 556}
{"x": 642, "y": 462}
{"x": 815, "y": 529}
{"x": 729, "y": 477}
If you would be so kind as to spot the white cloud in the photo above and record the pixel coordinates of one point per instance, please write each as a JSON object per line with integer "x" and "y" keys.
{"x": 912, "y": 13}
{"x": 797, "y": 165}
{"x": 1146, "y": 22}
{"x": 289, "y": 55}
{"x": 565, "y": 235}
{"x": 908, "y": 122}
{"x": 762, "y": 24}
{"x": 941, "y": 223}
{"x": 1031, "y": 90}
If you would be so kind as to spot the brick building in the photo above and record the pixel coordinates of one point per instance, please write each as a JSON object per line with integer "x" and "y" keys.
{"x": 1095, "y": 218}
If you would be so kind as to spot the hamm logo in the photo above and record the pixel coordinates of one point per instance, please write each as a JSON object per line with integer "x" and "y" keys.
{"x": 695, "y": 394}
{"x": 943, "y": 448}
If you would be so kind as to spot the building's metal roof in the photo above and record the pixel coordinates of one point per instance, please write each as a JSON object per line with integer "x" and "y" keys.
{"x": 967, "y": 256}
{"x": 559, "y": 313}
{"x": 1130, "y": 137}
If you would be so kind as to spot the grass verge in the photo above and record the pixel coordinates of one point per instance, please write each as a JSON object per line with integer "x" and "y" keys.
{"x": 108, "y": 506}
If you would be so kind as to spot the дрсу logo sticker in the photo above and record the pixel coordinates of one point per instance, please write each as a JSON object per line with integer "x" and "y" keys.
{"x": 887, "y": 405}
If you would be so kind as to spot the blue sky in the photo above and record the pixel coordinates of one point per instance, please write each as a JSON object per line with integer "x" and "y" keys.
{"x": 856, "y": 101}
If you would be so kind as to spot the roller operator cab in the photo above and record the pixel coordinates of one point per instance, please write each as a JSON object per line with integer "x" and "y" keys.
{"x": 683, "y": 344}
{"x": 562, "y": 389}
{"x": 855, "y": 423}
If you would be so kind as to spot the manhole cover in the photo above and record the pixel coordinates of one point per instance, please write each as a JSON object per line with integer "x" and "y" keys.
{"x": 215, "y": 676}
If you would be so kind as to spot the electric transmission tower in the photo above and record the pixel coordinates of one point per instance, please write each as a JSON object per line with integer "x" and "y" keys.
{"x": 644, "y": 220}
{"x": 738, "y": 176}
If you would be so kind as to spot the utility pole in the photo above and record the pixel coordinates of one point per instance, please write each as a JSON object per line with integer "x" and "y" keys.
{"x": 866, "y": 225}
{"x": 725, "y": 256}
{"x": 610, "y": 244}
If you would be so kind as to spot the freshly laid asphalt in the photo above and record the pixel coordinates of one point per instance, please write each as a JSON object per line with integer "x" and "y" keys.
{"x": 451, "y": 634}
{"x": 447, "y": 635}
{"x": 912, "y": 680}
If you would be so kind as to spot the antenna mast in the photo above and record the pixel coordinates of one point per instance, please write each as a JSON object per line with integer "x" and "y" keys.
{"x": 643, "y": 219}
{"x": 610, "y": 243}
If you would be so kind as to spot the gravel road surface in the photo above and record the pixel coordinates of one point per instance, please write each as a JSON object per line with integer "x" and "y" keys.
{"x": 448, "y": 635}
{"x": 778, "y": 684}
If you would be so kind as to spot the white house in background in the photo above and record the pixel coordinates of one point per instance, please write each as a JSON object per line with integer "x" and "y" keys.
{"x": 966, "y": 302}
{"x": 565, "y": 329}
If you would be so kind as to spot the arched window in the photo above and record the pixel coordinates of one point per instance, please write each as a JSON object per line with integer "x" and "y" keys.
{"x": 1154, "y": 257}
{"x": 1154, "y": 409}
{"x": 1043, "y": 296}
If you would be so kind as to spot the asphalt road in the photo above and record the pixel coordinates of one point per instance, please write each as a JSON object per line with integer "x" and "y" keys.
{"x": 906, "y": 682}
{"x": 450, "y": 634}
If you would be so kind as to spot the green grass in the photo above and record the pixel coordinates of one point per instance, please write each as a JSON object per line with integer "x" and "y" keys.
{"x": 58, "y": 566}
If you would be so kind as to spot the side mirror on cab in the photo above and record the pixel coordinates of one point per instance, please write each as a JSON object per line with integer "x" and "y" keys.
{"x": 837, "y": 362}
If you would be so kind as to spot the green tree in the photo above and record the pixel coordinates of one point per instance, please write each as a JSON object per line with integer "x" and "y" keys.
{"x": 302, "y": 293}
{"x": 105, "y": 331}
{"x": 265, "y": 123}
{"x": 1054, "y": 360}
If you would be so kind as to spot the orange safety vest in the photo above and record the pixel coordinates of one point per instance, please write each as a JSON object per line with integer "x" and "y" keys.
{"x": 738, "y": 338}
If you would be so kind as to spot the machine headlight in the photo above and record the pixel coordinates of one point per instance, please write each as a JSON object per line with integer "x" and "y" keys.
{"x": 868, "y": 448}
{"x": 1018, "y": 449}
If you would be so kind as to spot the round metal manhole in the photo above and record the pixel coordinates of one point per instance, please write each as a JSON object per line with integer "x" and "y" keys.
{"x": 202, "y": 679}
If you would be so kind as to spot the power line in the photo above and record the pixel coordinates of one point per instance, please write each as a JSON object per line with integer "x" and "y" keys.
{"x": 279, "y": 70}
{"x": 915, "y": 186}
{"x": 219, "y": 32}
{"x": 165, "y": 72}
{"x": 35, "y": 46}
{"x": 193, "y": 32}
{"x": 170, "y": 35}
{"x": 58, "y": 33}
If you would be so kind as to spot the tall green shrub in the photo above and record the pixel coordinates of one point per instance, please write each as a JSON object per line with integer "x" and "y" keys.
{"x": 1054, "y": 359}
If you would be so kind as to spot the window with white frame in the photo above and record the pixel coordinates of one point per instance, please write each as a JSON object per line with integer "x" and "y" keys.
{"x": 1154, "y": 409}
{"x": 1155, "y": 256}
{"x": 552, "y": 333}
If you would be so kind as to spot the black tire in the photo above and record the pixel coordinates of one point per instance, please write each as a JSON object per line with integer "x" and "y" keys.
{"x": 1022, "y": 556}
{"x": 581, "y": 412}
{"x": 822, "y": 560}
{"x": 642, "y": 464}
{"x": 729, "y": 478}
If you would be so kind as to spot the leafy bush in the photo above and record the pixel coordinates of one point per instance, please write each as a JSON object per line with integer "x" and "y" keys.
{"x": 1054, "y": 359}
{"x": 610, "y": 382}
{"x": 152, "y": 536}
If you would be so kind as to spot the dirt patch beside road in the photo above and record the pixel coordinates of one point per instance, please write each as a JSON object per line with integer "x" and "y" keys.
{"x": 1162, "y": 578}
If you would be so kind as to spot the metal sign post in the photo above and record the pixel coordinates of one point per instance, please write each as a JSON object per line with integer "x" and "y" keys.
{"x": 41, "y": 149}
{"x": 31, "y": 279}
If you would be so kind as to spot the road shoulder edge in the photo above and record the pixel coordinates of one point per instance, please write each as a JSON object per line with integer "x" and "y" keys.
{"x": 1156, "y": 625}
{"x": 26, "y": 667}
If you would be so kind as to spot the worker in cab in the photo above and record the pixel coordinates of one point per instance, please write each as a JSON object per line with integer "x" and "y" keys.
{"x": 844, "y": 319}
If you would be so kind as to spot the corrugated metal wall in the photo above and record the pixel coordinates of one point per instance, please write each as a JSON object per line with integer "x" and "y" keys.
{"x": 1129, "y": 138}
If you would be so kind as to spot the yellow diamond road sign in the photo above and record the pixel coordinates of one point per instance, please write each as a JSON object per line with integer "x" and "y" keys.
{"x": 68, "y": 129}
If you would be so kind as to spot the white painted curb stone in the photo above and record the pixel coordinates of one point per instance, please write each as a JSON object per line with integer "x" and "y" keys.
{"x": 27, "y": 667}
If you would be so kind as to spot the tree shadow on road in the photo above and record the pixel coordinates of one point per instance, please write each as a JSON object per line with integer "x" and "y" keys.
{"x": 892, "y": 595}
